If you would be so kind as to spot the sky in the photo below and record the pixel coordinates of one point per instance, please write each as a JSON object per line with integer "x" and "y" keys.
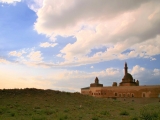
{"x": 64, "y": 44}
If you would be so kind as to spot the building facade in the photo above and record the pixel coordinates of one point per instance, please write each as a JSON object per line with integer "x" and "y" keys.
{"x": 127, "y": 88}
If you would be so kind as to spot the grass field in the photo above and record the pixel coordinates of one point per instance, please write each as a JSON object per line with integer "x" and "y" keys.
{"x": 35, "y": 104}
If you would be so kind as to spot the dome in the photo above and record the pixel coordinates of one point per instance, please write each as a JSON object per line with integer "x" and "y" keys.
{"x": 128, "y": 78}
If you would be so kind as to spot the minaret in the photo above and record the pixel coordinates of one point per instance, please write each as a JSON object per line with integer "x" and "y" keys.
{"x": 125, "y": 68}
{"x": 96, "y": 81}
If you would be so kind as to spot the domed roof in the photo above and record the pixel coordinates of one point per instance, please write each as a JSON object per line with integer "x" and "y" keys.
{"x": 128, "y": 76}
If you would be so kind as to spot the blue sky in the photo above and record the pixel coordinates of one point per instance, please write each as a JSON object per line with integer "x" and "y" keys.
{"x": 64, "y": 45}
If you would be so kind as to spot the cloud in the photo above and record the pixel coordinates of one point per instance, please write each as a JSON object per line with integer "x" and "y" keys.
{"x": 92, "y": 67}
{"x": 69, "y": 80}
{"x": 137, "y": 70}
{"x": 29, "y": 57}
{"x": 17, "y": 54}
{"x": 153, "y": 59}
{"x": 10, "y": 1}
{"x": 23, "y": 77}
{"x": 56, "y": 16}
{"x": 146, "y": 76}
{"x": 130, "y": 26}
{"x": 59, "y": 55}
{"x": 35, "y": 56}
{"x": 156, "y": 72}
{"x": 35, "y": 5}
{"x": 79, "y": 79}
{"x": 4, "y": 61}
{"x": 47, "y": 44}
{"x": 112, "y": 71}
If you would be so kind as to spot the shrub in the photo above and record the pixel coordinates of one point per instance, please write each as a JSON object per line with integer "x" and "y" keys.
{"x": 66, "y": 110}
{"x": 105, "y": 113}
{"x": 145, "y": 114}
{"x": 48, "y": 112}
{"x": 37, "y": 107}
{"x": 124, "y": 113}
{"x": 131, "y": 108}
{"x": 38, "y": 118}
{"x": 94, "y": 118}
{"x": 134, "y": 118}
{"x": 63, "y": 117}
{"x": 12, "y": 114}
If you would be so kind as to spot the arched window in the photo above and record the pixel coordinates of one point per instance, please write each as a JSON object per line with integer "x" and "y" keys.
{"x": 124, "y": 95}
{"x": 132, "y": 95}
{"x": 115, "y": 94}
{"x": 128, "y": 95}
{"x": 143, "y": 95}
{"x": 120, "y": 95}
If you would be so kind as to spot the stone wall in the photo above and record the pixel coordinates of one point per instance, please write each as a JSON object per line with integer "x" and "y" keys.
{"x": 85, "y": 91}
{"x": 124, "y": 92}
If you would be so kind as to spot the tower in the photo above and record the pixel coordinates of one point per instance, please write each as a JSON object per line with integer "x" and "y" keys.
{"x": 96, "y": 84}
{"x": 125, "y": 69}
{"x": 128, "y": 80}
{"x": 96, "y": 81}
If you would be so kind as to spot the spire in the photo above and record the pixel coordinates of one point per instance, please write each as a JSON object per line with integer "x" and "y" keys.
{"x": 96, "y": 80}
{"x": 125, "y": 68}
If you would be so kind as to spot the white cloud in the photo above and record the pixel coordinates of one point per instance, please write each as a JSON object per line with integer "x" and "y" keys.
{"x": 35, "y": 56}
{"x": 29, "y": 57}
{"x": 59, "y": 55}
{"x": 63, "y": 16}
{"x": 156, "y": 72}
{"x": 4, "y": 61}
{"x": 47, "y": 44}
{"x": 92, "y": 67}
{"x": 130, "y": 26}
{"x": 68, "y": 80}
{"x": 112, "y": 71}
{"x": 153, "y": 59}
{"x": 137, "y": 70}
{"x": 35, "y": 5}
{"x": 10, "y": 1}
{"x": 17, "y": 54}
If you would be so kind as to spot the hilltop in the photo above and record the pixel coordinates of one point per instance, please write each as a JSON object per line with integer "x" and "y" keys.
{"x": 37, "y": 104}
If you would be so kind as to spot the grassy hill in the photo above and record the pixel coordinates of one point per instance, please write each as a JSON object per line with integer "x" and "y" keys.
{"x": 36, "y": 104}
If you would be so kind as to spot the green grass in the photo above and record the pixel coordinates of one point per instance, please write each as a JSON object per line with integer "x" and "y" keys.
{"x": 34, "y": 104}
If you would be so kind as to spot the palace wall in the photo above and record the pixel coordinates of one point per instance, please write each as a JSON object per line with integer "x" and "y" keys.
{"x": 123, "y": 91}
{"x": 85, "y": 91}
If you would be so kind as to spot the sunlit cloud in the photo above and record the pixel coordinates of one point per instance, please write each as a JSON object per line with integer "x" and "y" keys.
{"x": 47, "y": 44}
{"x": 35, "y": 56}
{"x": 17, "y": 54}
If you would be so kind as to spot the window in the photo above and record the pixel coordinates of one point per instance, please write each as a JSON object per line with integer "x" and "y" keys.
{"x": 128, "y": 95}
{"x": 124, "y": 95}
{"x": 132, "y": 95}
{"x": 143, "y": 95}
{"x": 115, "y": 94}
{"x": 119, "y": 95}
